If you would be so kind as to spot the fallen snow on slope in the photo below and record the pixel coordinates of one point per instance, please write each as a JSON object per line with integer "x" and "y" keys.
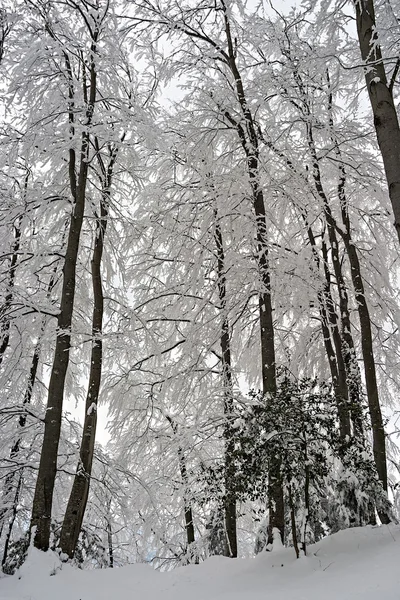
{"x": 356, "y": 564}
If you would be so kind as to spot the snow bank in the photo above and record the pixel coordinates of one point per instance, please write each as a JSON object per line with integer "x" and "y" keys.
{"x": 357, "y": 564}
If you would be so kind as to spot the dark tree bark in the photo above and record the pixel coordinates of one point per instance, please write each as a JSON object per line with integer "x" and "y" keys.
{"x": 43, "y": 498}
{"x": 5, "y": 321}
{"x": 11, "y": 489}
{"x": 247, "y": 132}
{"x": 4, "y": 31}
{"x": 348, "y": 349}
{"x": 77, "y": 502}
{"x": 187, "y": 509}
{"x": 110, "y": 540}
{"x": 380, "y": 93}
{"x": 378, "y": 433}
{"x": 329, "y": 324}
{"x": 229, "y": 436}
{"x": 329, "y": 317}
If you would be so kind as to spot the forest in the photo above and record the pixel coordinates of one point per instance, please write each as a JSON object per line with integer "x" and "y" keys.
{"x": 199, "y": 276}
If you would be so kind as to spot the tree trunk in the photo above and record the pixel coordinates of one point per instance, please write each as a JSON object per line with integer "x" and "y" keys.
{"x": 12, "y": 521}
{"x": 80, "y": 489}
{"x": 9, "y": 483}
{"x": 189, "y": 525}
{"x": 333, "y": 351}
{"x": 230, "y": 488}
{"x": 348, "y": 349}
{"x": 110, "y": 540}
{"x": 247, "y": 132}
{"x": 43, "y": 498}
{"x": 378, "y": 432}
{"x": 5, "y": 322}
{"x": 382, "y": 103}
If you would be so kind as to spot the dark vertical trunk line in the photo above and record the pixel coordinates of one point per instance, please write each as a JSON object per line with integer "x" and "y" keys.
{"x": 189, "y": 525}
{"x": 77, "y": 502}
{"x": 8, "y": 496}
{"x": 187, "y": 509}
{"x": 12, "y": 520}
{"x": 43, "y": 498}
{"x": 230, "y": 488}
{"x": 293, "y": 521}
{"x": 343, "y": 339}
{"x": 348, "y": 349}
{"x": 249, "y": 140}
{"x": 378, "y": 432}
{"x": 5, "y": 321}
{"x": 333, "y": 351}
{"x": 110, "y": 540}
{"x": 382, "y": 103}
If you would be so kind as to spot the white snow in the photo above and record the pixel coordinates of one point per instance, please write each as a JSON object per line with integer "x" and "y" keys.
{"x": 92, "y": 408}
{"x": 357, "y": 564}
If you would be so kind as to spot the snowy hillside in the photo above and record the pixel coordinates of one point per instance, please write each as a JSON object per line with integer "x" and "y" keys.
{"x": 354, "y": 564}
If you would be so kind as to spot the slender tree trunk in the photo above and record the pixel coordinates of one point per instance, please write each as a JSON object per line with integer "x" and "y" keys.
{"x": 293, "y": 522}
{"x": 11, "y": 492}
{"x": 43, "y": 498}
{"x": 189, "y": 525}
{"x": 333, "y": 351}
{"x": 12, "y": 521}
{"x": 247, "y": 132}
{"x": 230, "y": 488}
{"x": 80, "y": 489}
{"x": 378, "y": 433}
{"x": 5, "y": 322}
{"x": 110, "y": 540}
{"x": 4, "y": 31}
{"x": 353, "y": 376}
{"x": 380, "y": 93}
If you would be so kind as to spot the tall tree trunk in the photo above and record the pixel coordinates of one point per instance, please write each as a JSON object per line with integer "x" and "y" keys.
{"x": 378, "y": 432}
{"x": 329, "y": 317}
{"x": 43, "y": 498}
{"x": 380, "y": 93}
{"x": 80, "y": 489}
{"x": 348, "y": 349}
{"x": 230, "y": 488}
{"x": 247, "y": 132}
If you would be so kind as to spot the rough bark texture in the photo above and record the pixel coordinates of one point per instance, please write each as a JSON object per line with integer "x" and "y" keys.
{"x": 43, "y": 498}
{"x": 381, "y": 98}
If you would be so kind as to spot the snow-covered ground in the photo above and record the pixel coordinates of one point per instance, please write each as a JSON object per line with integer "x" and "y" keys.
{"x": 351, "y": 565}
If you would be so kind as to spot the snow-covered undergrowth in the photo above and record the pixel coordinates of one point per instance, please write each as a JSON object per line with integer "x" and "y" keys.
{"x": 351, "y": 565}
